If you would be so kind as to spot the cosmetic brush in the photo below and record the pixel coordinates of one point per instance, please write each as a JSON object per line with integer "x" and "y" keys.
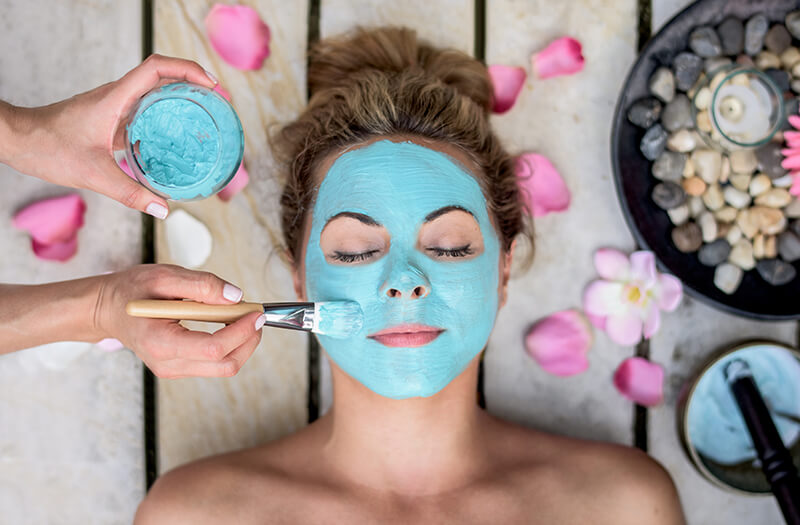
{"x": 337, "y": 319}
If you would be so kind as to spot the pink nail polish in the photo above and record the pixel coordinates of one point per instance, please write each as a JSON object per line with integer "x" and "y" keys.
{"x": 260, "y": 321}
{"x": 157, "y": 210}
{"x": 231, "y": 293}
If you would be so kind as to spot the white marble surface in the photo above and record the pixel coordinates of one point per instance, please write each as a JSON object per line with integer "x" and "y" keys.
{"x": 199, "y": 417}
{"x": 70, "y": 427}
{"x": 568, "y": 120}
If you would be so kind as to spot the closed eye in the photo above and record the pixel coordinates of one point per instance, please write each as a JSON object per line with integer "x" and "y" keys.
{"x": 451, "y": 252}
{"x": 353, "y": 257}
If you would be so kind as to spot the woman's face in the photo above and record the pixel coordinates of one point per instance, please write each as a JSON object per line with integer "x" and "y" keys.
{"x": 403, "y": 230}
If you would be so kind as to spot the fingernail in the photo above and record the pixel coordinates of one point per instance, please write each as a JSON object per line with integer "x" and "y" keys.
{"x": 231, "y": 293}
{"x": 260, "y": 321}
{"x": 210, "y": 75}
{"x": 157, "y": 210}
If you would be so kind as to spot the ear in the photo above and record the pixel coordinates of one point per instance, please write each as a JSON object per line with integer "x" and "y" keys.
{"x": 505, "y": 272}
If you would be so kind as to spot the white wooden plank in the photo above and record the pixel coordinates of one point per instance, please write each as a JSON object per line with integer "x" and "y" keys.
{"x": 568, "y": 120}
{"x": 71, "y": 441}
{"x": 267, "y": 399}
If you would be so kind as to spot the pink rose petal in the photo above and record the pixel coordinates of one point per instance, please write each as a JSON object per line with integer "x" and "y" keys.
{"x": 560, "y": 342}
{"x": 56, "y": 251}
{"x": 652, "y": 323}
{"x": 641, "y": 381}
{"x": 643, "y": 268}
{"x": 612, "y": 264}
{"x": 541, "y": 184}
{"x": 236, "y": 184}
{"x": 239, "y": 35}
{"x": 222, "y": 91}
{"x": 794, "y": 120}
{"x": 625, "y": 329}
{"x": 123, "y": 165}
{"x": 52, "y": 220}
{"x": 507, "y": 82}
{"x": 671, "y": 292}
{"x": 109, "y": 344}
{"x": 562, "y": 57}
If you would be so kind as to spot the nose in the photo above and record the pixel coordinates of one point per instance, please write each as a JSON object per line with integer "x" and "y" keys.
{"x": 406, "y": 282}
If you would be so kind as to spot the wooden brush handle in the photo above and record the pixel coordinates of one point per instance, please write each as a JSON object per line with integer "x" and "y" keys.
{"x": 190, "y": 310}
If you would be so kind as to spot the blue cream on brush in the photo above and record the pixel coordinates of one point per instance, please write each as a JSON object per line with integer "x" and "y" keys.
{"x": 184, "y": 141}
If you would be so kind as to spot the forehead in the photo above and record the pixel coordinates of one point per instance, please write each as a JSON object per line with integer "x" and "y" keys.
{"x": 388, "y": 180}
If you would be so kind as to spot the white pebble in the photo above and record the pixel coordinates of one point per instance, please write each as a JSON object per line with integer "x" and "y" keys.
{"x": 759, "y": 184}
{"x": 708, "y": 226}
{"x": 741, "y": 181}
{"x": 713, "y": 197}
{"x": 736, "y": 198}
{"x": 696, "y": 206}
{"x": 707, "y": 164}
{"x": 743, "y": 161}
{"x": 727, "y": 277}
{"x": 774, "y": 198}
{"x": 783, "y": 182}
{"x": 679, "y": 215}
{"x": 742, "y": 255}
{"x": 703, "y": 99}
{"x": 734, "y": 234}
{"x": 726, "y": 214}
{"x": 682, "y": 141}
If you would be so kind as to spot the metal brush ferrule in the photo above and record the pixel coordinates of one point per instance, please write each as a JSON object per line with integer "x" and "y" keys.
{"x": 295, "y": 316}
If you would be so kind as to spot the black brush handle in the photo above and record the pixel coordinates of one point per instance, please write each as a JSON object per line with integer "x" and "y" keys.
{"x": 776, "y": 460}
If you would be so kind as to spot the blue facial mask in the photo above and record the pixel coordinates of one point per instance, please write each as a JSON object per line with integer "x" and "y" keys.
{"x": 398, "y": 185}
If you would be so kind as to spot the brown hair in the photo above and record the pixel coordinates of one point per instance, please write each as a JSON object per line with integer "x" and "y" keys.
{"x": 385, "y": 82}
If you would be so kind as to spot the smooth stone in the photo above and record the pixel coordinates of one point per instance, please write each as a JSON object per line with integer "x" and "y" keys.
{"x": 754, "y": 32}
{"x": 769, "y": 160}
{"x": 705, "y": 42}
{"x": 653, "y": 142}
{"x": 707, "y": 164}
{"x": 745, "y": 60}
{"x": 662, "y": 84}
{"x": 682, "y": 141}
{"x": 694, "y": 186}
{"x": 742, "y": 255}
{"x": 727, "y": 277}
{"x": 759, "y": 247}
{"x": 767, "y": 60}
{"x": 702, "y": 98}
{"x": 733, "y": 235}
{"x": 708, "y": 226}
{"x": 679, "y": 215}
{"x": 795, "y": 227}
{"x": 790, "y": 57}
{"x": 669, "y": 166}
{"x": 791, "y": 107}
{"x": 768, "y": 220}
{"x": 725, "y": 169}
{"x": 714, "y": 64}
{"x": 774, "y": 198}
{"x": 668, "y": 195}
{"x": 687, "y": 238}
{"x": 645, "y": 112}
{"x": 731, "y": 36}
{"x": 704, "y": 121}
{"x": 688, "y": 167}
{"x": 792, "y": 22}
{"x": 789, "y": 246}
{"x": 793, "y": 209}
{"x": 770, "y": 246}
{"x": 722, "y": 229}
{"x": 696, "y": 206}
{"x": 777, "y": 39}
{"x": 784, "y": 182}
{"x": 780, "y": 77}
{"x": 714, "y": 253}
{"x": 759, "y": 184}
{"x": 688, "y": 67}
{"x": 776, "y": 272}
{"x": 677, "y": 114}
{"x": 743, "y": 161}
{"x": 740, "y": 181}
{"x": 795, "y": 85}
{"x": 736, "y": 198}
{"x": 726, "y": 214}
{"x": 713, "y": 197}
{"x": 748, "y": 223}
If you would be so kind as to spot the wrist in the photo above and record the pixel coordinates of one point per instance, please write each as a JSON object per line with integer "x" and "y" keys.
{"x": 16, "y": 129}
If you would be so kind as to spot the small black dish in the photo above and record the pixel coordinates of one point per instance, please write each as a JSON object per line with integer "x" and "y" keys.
{"x": 649, "y": 224}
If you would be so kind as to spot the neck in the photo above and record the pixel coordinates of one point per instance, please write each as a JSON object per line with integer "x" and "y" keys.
{"x": 410, "y": 447}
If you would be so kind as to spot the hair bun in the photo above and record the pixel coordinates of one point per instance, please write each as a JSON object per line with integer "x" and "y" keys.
{"x": 338, "y": 62}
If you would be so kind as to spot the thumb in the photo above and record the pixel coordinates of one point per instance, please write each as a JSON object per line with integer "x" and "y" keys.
{"x": 204, "y": 287}
{"x": 118, "y": 185}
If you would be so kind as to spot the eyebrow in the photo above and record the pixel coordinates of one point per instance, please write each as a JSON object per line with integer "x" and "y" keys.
{"x": 447, "y": 209}
{"x": 366, "y": 219}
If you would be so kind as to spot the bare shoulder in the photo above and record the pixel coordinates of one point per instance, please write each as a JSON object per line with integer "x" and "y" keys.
{"x": 601, "y": 482}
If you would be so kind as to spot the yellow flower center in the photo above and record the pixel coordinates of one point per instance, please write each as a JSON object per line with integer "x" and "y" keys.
{"x": 634, "y": 294}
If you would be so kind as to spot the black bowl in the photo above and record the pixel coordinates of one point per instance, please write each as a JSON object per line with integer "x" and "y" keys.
{"x": 649, "y": 224}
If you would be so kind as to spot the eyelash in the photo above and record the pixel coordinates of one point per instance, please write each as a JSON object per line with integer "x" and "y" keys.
{"x": 439, "y": 252}
{"x": 353, "y": 257}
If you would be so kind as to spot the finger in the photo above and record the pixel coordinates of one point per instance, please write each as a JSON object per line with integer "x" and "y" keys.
{"x": 228, "y": 367}
{"x": 205, "y": 287}
{"x": 240, "y": 356}
{"x": 115, "y": 183}
{"x": 147, "y": 75}
{"x": 202, "y": 346}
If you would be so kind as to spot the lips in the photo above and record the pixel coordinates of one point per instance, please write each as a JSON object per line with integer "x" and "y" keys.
{"x": 407, "y": 335}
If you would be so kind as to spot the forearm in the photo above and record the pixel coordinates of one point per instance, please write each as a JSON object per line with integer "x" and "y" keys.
{"x": 16, "y": 135}
{"x": 32, "y": 315}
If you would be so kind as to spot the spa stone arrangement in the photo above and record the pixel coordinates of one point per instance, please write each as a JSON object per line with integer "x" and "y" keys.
{"x": 730, "y": 200}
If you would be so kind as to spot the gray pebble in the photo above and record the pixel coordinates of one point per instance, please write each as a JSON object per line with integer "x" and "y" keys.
{"x": 731, "y": 36}
{"x": 669, "y": 166}
{"x": 777, "y": 39}
{"x": 795, "y": 227}
{"x": 714, "y": 253}
{"x": 654, "y": 142}
{"x": 769, "y": 160}
{"x": 775, "y": 271}
{"x": 668, "y": 195}
{"x": 780, "y": 77}
{"x": 789, "y": 246}
{"x": 713, "y": 64}
{"x": 754, "y": 32}
{"x": 793, "y": 23}
{"x": 645, "y": 112}
{"x": 704, "y": 41}
{"x": 688, "y": 67}
{"x": 792, "y": 107}
{"x": 662, "y": 84}
{"x": 677, "y": 114}
{"x": 687, "y": 238}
